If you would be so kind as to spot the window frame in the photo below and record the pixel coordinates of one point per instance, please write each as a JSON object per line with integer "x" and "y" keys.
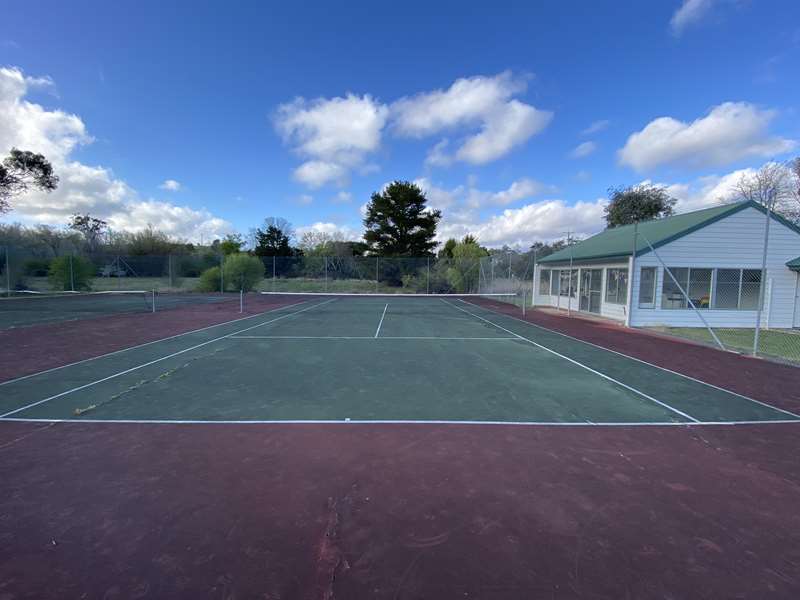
{"x": 549, "y": 274}
{"x": 606, "y": 298}
{"x": 653, "y": 288}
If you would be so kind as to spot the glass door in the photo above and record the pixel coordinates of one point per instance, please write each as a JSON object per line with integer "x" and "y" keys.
{"x": 591, "y": 290}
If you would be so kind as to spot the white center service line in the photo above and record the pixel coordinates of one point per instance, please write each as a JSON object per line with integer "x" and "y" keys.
{"x": 152, "y": 362}
{"x": 579, "y": 364}
{"x": 385, "y": 308}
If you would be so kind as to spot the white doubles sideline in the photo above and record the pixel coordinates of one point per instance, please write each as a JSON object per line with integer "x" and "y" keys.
{"x": 402, "y": 422}
{"x": 644, "y": 362}
{"x": 152, "y": 362}
{"x": 579, "y": 364}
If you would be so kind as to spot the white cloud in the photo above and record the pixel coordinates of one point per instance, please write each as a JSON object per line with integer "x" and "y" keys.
{"x": 583, "y": 149}
{"x": 342, "y": 232}
{"x": 544, "y": 221}
{"x": 304, "y": 199}
{"x": 518, "y": 190}
{"x": 479, "y": 102}
{"x": 342, "y": 198}
{"x": 335, "y": 135}
{"x": 82, "y": 188}
{"x": 596, "y": 127}
{"x": 171, "y": 185}
{"x": 437, "y": 156}
{"x": 706, "y": 191}
{"x": 689, "y": 13}
{"x": 730, "y": 132}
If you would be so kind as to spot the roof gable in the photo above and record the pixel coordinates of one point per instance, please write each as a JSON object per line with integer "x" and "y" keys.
{"x": 618, "y": 241}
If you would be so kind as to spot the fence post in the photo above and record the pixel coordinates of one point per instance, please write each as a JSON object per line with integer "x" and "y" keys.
{"x": 8, "y": 273}
{"x": 762, "y": 288}
{"x": 376, "y": 274}
{"x": 325, "y": 260}
{"x": 428, "y": 277}
{"x": 241, "y": 300}
{"x": 221, "y": 275}
{"x": 71, "y": 275}
{"x": 169, "y": 268}
{"x": 273, "y": 273}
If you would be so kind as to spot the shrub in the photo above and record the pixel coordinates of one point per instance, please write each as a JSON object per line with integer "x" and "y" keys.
{"x": 71, "y": 272}
{"x": 242, "y": 272}
{"x": 37, "y": 267}
{"x": 209, "y": 280}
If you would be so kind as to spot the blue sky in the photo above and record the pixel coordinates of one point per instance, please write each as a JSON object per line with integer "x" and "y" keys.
{"x": 515, "y": 118}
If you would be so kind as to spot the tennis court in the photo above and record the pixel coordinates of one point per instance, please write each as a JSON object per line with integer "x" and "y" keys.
{"x": 391, "y": 447}
{"x": 376, "y": 359}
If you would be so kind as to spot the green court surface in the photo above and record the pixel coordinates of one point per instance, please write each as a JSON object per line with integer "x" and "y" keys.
{"x": 375, "y": 359}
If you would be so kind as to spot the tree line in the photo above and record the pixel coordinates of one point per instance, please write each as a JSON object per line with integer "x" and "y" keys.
{"x": 398, "y": 222}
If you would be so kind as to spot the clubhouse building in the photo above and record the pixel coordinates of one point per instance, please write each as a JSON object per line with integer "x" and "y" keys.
{"x": 715, "y": 257}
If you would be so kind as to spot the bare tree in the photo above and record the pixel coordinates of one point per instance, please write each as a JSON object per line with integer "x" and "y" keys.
{"x": 775, "y": 185}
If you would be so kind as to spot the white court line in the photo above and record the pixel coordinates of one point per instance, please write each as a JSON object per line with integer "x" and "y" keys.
{"x": 383, "y": 316}
{"x": 639, "y": 360}
{"x": 152, "y": 362}
{"x": 399, "y": 422}
{"x": 364, "y": 337}
{"x": 580, "y": 364}
{"x": 172, "y": 337}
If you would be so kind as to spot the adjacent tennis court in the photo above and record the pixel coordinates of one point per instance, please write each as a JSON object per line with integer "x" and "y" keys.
{"x": 376, "y": 359}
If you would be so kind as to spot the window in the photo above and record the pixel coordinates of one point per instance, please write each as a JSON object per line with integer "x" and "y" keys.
{"x": 617, "y": 286}
{"x": 544, "y": 283}
{"x": 699, "y": 289}
{"x": 569, "y": 282}
{"x": 647, "y": 287}
{"x": 675, "y": 279}
{"x": 726, "y": 294}
{"x": 751, "y": 289}
{"x": 554, "y": 279}
{"x": 737, "y": 289}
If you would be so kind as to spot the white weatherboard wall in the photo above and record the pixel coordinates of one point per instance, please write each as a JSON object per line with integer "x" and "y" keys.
{"x": 733, "y": 242}
{"x": 607, "y": 309}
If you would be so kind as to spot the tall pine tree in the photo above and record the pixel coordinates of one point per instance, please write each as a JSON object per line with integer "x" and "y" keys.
{"x": 399, "y": 223}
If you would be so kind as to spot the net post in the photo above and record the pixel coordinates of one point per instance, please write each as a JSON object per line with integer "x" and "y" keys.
{"x": 154, "y": 300}
{"x": 71, "y": 275}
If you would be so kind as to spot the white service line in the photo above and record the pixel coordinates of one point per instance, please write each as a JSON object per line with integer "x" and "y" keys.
{"x": 399, "y": 422}
{"x": 639, "y": 360}
{"x": 580, "y": 364}
{"x": 383, "y": 316}
{"x": 172, "y": 337}
{"x": 152, "y": 362}
{"x": 364, "y": 337}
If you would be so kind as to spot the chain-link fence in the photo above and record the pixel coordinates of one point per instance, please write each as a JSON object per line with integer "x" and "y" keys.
{"x": 751, "y": 308}
{"x": 505, "y": 276}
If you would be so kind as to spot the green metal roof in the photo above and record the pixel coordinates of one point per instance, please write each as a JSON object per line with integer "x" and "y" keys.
{"x": 794, "y": 264}
{"x": 617, "y": 243}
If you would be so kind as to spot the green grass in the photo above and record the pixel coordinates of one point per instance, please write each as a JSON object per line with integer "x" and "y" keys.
{"x": 104, "y": 284}
{"x": 776, "y": 343}
{"x": 304, "y": 285}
